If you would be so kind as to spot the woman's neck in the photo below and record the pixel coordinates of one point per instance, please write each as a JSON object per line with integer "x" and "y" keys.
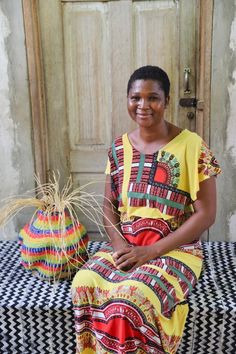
{"x": 149, "y": 141}
{"x": 161, "y": 133}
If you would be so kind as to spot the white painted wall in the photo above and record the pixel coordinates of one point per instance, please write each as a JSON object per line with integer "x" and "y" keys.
{"x": 223, "y": 116}
{"x": 231, "y": 126}
{"x": 16, "y": 158}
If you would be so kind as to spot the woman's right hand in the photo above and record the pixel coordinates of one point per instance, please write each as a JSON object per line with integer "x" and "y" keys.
{"x": 121, "y": 248}
{"x": 118, "y": 244}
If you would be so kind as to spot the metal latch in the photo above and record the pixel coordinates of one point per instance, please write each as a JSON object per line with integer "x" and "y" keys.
{"x": 188, "y": 102}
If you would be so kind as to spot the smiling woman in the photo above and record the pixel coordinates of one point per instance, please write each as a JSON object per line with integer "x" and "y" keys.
{"x": 146, "y": 103}
{"x": 131, "y": 297}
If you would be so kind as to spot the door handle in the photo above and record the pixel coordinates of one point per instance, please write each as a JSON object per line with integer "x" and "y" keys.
{"x": 187, "y": 72}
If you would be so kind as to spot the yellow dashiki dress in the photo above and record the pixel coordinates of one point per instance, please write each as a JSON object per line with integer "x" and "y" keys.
{"x": 144, "y": 311}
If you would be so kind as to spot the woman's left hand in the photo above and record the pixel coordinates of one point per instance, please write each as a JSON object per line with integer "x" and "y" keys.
{"x": 130, "y": 258}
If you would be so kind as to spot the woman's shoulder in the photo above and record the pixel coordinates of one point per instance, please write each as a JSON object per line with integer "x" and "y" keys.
{"x": 183, "y": 139}
{"x": 117, "y": 146}
{"x": 190, "y": 137}
{"x": 116, "y": 141}
{"x": 119, "y": 141}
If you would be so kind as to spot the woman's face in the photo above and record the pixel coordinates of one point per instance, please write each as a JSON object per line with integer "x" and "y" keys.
{"x": 146, "y": 103}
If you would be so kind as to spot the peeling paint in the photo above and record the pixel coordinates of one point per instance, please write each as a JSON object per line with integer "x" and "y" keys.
{"x": 16, "y": 149}
{"x": 233, "y": 36}
{"x": 4, "y": 31}
{"x": 9, "y": 177}
{"x": 232, "y": 228}
{"x": 231, "y": 126}
{"x": 7, "y": 131}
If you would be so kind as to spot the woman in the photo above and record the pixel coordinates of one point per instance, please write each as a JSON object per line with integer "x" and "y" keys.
{"x": 160, "y": 196}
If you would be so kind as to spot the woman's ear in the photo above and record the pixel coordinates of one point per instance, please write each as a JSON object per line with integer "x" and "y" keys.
{"x": 167, "y": 101}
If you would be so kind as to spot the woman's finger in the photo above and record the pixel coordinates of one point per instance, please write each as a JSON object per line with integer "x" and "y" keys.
{"x": 121, "y": 252}
{"x": 126, "y": 265}
{"x": 125, "y": 261}
{"x": 124, "y": 258}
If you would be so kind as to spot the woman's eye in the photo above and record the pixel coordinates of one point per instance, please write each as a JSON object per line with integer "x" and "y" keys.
{"x": 135, "y": 98}
{"x": 153, "y": 98}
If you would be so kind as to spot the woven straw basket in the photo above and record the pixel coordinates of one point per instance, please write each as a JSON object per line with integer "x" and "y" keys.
{"x": 52, "y": 246}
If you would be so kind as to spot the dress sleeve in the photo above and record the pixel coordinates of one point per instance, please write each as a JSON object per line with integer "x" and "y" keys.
{"x": 112, "y": 170}
{"x": 108, "y": 167}
{"x": 202, "y": 165}
{"x": 207, "y": 163}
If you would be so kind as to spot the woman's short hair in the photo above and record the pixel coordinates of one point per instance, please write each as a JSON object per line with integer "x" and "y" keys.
{"x": 150, "y": 72}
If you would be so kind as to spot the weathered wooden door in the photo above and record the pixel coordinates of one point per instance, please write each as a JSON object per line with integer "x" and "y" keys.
{"x": 89, "y": 50}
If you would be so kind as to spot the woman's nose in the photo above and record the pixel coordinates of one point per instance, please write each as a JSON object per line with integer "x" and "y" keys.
{"x": 143, "y": 103}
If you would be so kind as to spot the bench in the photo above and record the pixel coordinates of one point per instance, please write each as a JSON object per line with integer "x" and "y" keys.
{"x": 36, "y": 317}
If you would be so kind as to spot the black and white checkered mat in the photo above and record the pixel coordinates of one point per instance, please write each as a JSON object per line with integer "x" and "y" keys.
{"x": 36, "y": 317}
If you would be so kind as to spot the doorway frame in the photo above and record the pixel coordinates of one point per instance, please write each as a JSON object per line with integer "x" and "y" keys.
{"x": 37, "y": 89}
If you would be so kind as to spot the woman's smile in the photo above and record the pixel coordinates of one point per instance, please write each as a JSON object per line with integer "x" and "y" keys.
{"x": 143, "y": 114}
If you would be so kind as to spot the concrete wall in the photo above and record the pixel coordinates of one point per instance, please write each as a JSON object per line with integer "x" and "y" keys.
{"x": 16, "y": 158}
{"x": 223, "y": 116}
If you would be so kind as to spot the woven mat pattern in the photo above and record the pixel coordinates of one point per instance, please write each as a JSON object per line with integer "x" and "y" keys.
{"x": 36, "y": 317}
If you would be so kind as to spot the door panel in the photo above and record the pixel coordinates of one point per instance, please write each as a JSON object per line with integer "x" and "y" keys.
{"x": 98, "y": 46}
{"x": 156, "y": 41}
{"x": 87, "y": 74}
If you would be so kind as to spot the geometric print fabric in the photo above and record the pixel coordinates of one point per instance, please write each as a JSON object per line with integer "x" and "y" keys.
{"x": 162, "y": 184}
{"x": 36, "y": 317}
{"x": 153, "y": 180}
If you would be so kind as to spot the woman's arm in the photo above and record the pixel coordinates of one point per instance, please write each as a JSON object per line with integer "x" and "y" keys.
{"x": 201, "y": 220}
{"x": 111, "y": 219}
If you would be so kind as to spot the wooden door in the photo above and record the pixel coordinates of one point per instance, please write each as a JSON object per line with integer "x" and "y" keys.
{"x": 89, "y": 50}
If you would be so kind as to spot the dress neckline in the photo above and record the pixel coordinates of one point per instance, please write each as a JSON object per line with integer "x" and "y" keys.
{"x": 174, "y": 140}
